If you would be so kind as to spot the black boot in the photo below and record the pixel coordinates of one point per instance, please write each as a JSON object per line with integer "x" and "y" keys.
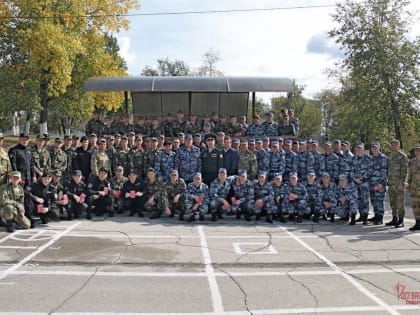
{"x": 299, "y": 219}
{"x": 415, "y": 227}
{"x": 392, "y": 222}
{"x": 332, "y": 217}
{"x": 258, "y": 217}
{"x": 191, "y": 218}
{"x": 379, "y": 219}
{"x": 140, "y": 213}
{"x": 201, "y": 217}
{"x": 44, "y": 219}
{"x": 111, "y": 213}
{"x": 247, "y": 216}
{"x": 181, "y": 216}
{"x": 32, "y": 224}
{"x": 220, "y": 215}
{"x": 268, "y": 219}
{"x": 282, "y": 219}
{"x": 353, "y": 219}
{"x": 315, "y": 218}
{"x": 365, "y": 219}
{"x": 373, "y": 219}
{"x": 88, "y": 215}
{"x": 400, "y": 222}
{"x": 155, "y": 215}
{"x": 10, "y": 226}
{"x": 214, "y": 217}
{"x": 131, "y": 214}
{"x": 291, "y": 217}
{"x": 238, "y": 215}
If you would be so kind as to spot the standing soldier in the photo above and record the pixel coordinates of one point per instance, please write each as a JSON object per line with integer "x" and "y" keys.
{"x": 165, "y": 162}
{"x": 306, "y": 161}
{"x": 179, "y": 123}
{"x": 107, "y": 130}
{"x": 5, "y": 166}
{"x": 112, "y": 153}
{"x": 41, "y": 157}
{"x": 377, "y": 182}
{"x": 155, "y": 130}
{"x": 319, "y": 164}
{"x": 397, "y": 174}
{"x": 123, "y": 156}
{"x": 243, "y": 196}
{"x": 94, "y": 125}
{"x": 12, "y": 207}
{"x": 233, "y": 128}
{"x": 264, "y": 195}
{"x": 219, "y": 191}
{"x": 99, "y": 159}
{"x": 360, "y": 175}
{"x": 276, "y": 160}
{"x": 211, "y": 160}
{"x": 157, "y": 199}
{"x": 346, "y": 160}
{"x": 140, "y": 128}
{"x": 127, "y": 126}
{"x": 230, "y": 157}
{"x": 294, "y": 121}
{"x": 21, "y": 160}
{"x": 256, "y": 129}
{"x": 82, "y": 158}
{"x": 175, "y": 189}
{"x": 117, "y": 125}
{"x": 59, "y": 159}
{"x": 263, "y": 157}
{"x": 196, "y": 198}
{"x": 247, "y": 160}
{"x": 188, "y": 160}
{"x": 269, "y": 126}
{"x": 414, "y": 186}
{"x": 168, "y": 125}
{"x": 291, "y": 160}
{"x": 150, "y": 155}
{"x": 331, "y": 162}
{"x": 136, "y": 156}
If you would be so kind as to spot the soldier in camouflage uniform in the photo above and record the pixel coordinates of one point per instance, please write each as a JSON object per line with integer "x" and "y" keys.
{"x": 377, "y": 182}
{"x": 328, "y": 197}
{"x": 247, "y": 160}
{"x": 12, "y": 207}
{"x": 179, "y": 123}
{"x": 296, "y": 196}
{"x": 243, "y": 195}
{"x": 314, "y": 197}
{"x": 196, "y": 198}
{"x": 117, "y": 183}
{"x": 277, "y": 160}
{"x": 5, "y": 166}
{"x": 347, "y": 199}
{"x": 99, "y": 159}
{"x": 264, "y": 197}
{"x": 165, "y": 162}
{"x": 360, "y": 175}
{"x": 233, "y": 128}
{"x": 397, "y": 175}
{"x": 219, "y": 192}
{"x": 222, "y": 125}
{"x": 150, "y": 155}
{"x": 269, "y": 126}
{"x": 59, "y": 159}
{"x": 40, "y": 156}
{"x": 136, "y": 156}
{"x": 188, "y": 160}
{"x": 140, "y": 128}
{"x": 123, "y": 155}
{"x": 175, "y": 189}
{"x": 331, "y": 162}
{"x": 306, "y": 161}
{"x": 279, "y": 199}
{"x": 168, "y": 125}
{"x": 346, "y": 161}
{"x": 117, "y": 125}
{"x": 263, "y": 157}
{"x": 112, "y": 153}
{"x": 256, "y": 129}
{"x": 414, "y": 186}
{"x": 94, "y": 125}
{"x": 107, "y": 130}
{"x": 127, "y": 126}
{"x": 319, "y": 164}
{"x": 291, "y": 160}
{"x": 155, "y": 129}
{"x": 192, "y": 126}
{"x": 157, "y": 199}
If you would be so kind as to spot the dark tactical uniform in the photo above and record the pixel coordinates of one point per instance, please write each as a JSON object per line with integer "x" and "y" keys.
{"x": 230, "y": 161}
{"x": 42, "y": 161}
{"x": 47, "y": 193}
{"x": 164, "y": 164}
{"x": 116, "y": 196}
{"x": 210, "y": 164}
{"x": 22, "y": 161}
{"x": 173, "y": 189}
{"x": 76, "y": 191}
{"x": 102, "y": 203}
{"x": 82, "y": 161}
{"x": 135, "y": 204}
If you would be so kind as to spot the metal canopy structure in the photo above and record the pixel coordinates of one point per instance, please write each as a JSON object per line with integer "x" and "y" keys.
{"x": 157, "y": 96}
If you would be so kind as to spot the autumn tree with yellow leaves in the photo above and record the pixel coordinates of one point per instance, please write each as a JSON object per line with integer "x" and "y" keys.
{"x": 48, "y": 48}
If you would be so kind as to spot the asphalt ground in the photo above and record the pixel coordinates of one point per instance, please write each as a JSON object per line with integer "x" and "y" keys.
{"x": 125, "y": 265}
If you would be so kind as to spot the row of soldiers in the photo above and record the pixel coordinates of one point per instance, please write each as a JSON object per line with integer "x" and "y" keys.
{"x": 362, "y": 170}
{"x": 173, "y": 125}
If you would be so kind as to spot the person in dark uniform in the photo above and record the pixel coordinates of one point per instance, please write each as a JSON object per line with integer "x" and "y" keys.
{"x": 21, "y": 160}
{"x": 211, "y": 160}
{"x": 76, "y": 190}
{"x": 42, "y": 196}
{"x": 134, "y": 194}
{"x": 82, "y": 160}
{"x": 99, "y": 195}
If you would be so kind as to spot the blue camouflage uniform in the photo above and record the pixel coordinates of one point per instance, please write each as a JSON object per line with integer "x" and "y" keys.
{"x": 202, "y": 191}
{"x": 349, "y": 193}
{"x": 164, "y": 164}
{"x": 306, "y": 164}
{"x": 263, "y": 160}
{"x": 218, "y": 193}
{"x": 188, "y": 162}
{"x": 270, "y": 129}
{"x": 291, "y": 164}
{"x": 331, "y": 162}
{"x": 277, "y": 163}
{"x": 297, "y": 206}
{"x": 245, "y": 194}
{"x": 280, "y": 198}
{"x": 255, "y": 130}
{"x": 328, "y": 194}
{"x": 346, "y": 164}
{"x": 314, "y": 198}
{"x": 379, "y": 175}
{"x": 266, "y": 194}
{"x": 319, "y": 164}
{"x": 362, "y": 168}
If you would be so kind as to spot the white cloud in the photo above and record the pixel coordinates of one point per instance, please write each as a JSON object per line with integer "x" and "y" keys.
{"x": 130, "y": 57}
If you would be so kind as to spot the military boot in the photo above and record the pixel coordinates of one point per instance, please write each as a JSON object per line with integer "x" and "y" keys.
{"x": 269, "y": 219}
{"x": 291, "y": 217}
{"x": 131, "y": 213}
{"x": 214, "y": 217}
{"x": 32, "y": 224}
{"x": 258, "y": 217}
{"x": 238, "y": 215}
{"x": 140, "y": 213}
{"x": 365, "y": 219}
{"x": 155, "y": 215}
{"x": 299, "y": 219}
{"x": 282, "y": 219}
{"x": 181, "y": 216}
{"x": 392, "y": 222}
{"x": 44, "y": 219}
{"x": 415, "y": 227}
{"x": 400, "y": 222}
{"x": 10, "y": 226}
{"x": 373, "y": 219}
{"x": 332, "y": 217}
{"x": 379, "y": 219}
{"x": 111, "y": 213}
{"x": 315, "y": 218}
{"x": 191, "y": 218}
{"x": 352, "y": 219}
{"x": 201, "y": 217}
{"x": 88, "y": 214}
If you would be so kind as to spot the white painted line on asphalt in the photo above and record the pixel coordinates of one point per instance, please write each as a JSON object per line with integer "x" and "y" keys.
{"x": 346, "y": 276}
{"x": 214, "y": 287}
{"x": 6, "y": 237}
{"x": 268, "y": 250}
{"x": 19, "y": 247}
{"x": 109, "y": 273}
{"x": 5, "y": 273}
{"x": 39, "y": 233}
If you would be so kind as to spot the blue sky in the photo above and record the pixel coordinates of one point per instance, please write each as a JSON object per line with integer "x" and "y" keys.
{"x": 285, "y": 43}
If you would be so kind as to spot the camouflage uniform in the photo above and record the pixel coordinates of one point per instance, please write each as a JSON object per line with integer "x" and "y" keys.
{"x": 328, "y": 194}
{"x": 5, "y": 166}
{"x": 297, "y": 206}
{"x": 94, "y": 126}
{"x": 59, "y": 161}
{"x": 414, "y": 186}
{"x": 291, "y": 164}
{"x": 279, "y": 193}
{"x": 173, "y": 189}
{"x": 248, "y": 162}
{"x": 136, "y": 157}
{"x": 143, "y": 130}
{"x": 319, "y": 164}
{"x": 99, "y": 160}
{"x": 155, "y": 132}
{"x": 266, "y": 194}
{"x": 379, "y": 176}
{"x": 245, "y": 194}
{"x": 263, "y": 160}
{"x": 362, "y": 168}
{"x": 218, "y": 193}
{"x": 41, "y": 160}
{"x": 123, "y": 159}
{"x": 270, "y": 128}
{"x": 158, "y": 192}
{"x": 116, "y": 188}
{"x": 202, "y": 191}
{"x": 314, "y": 199}
{"x": 164, "y": 164}
{"x": 117, "y": 127}
{"x": 277, "y": 163}
{"x": 188, "y": 162}
{"x": 179, "y": 126}
{"x": 255, "y": 130}
{"x": 192, "y": 129}
{"x": 350, "y": 194}
{"x": 345, "y": 164}
{"x": 331, "y": 166}
{"x": 10, "y": 199}
{"x": 149, "y": 159}
{"x": 113, "y": 157}
{"x": 397, "y": 174}
{"x": 233, "y": 129}
{"x": 168, "y": 129}
{"x": 306, "y": 164}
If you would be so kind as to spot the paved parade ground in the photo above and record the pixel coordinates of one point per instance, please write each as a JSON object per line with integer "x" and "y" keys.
{"x": 126, "y": 265}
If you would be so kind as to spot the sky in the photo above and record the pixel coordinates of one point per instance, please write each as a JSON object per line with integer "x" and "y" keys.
{"x": 284, "y": 43}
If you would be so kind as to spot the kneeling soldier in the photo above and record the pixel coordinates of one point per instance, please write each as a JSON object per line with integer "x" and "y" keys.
{"x": 243, "y": 195}
{"x": 264, "y": 196}
{"x": 197, "y": 198}
{"x": 279, "y": 191}
{"x": 346, "y": 199}
{"x": 175, "y": 189}
{"x": 157, "y": 200}
{"x": 133, "y": 194}
{"x": 117, "y": 183}
{"x": 12, "y": 203}
{"x": 76, "y": 191}
{"x": 219, "y": 191}
{"x": 43, "y": 195}
{"x": 296, "y": 198}
{"x": 99, "y": 194}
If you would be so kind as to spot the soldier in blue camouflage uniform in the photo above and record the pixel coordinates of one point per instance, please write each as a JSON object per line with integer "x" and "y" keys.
{"x": 123, "y": 155}
{"x": 279, "y": 191}
{"x": 296, "y": 196}
{"x": 328, "y": 197}
{"x": 291, "y": 160}
{"x": 319, "y": 164}
{"x": 314, "y": 196}
{"x": 347, "y": 198}
{"x": 270, "y": 126}
{"x": 150, "y": 155}
{"x": 277, "y": 160}
{"x": 188, "y": 160}
{"x": 219, "y": 191}
{"x": 306, "y": 161}
{"x": 331, "y": 162}
{"x": 193, "y": 126}
{"x": 263, "y": 157}
{"x": 196, "y": 198}
{"x": 264, "y": 197}
{"x": 165, "y": 161}
{"x": 377, "y": 182}
{"x": 256, "y": 129}
{"x": 243, "y": 195}
{"x": 294, "y": 121}
{"x": 175, "y": 189}
{"x": 346, "y": 160}
{"x": 361, "y": 172}
{"x": 157, "y": 199}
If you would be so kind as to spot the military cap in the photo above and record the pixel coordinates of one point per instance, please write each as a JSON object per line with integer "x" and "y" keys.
{"x": 278, "y": 175}
{"x": 67, "y": 137}
{"x": 275, "y": 144}
{"x": 256, "y": 116}
{"x": 337, "y": 141}
{"x": 374, "y": 144}
{"x": 302, "y": 142}
{"x": 327, "y": 143}
{"x": 181, "y": 134}
{"x": 46, "y": 136}
{"x": 259, "y": 140}
{"x": 197, "y": 135}
{"x": 325, "y": 175}
{"x": 150, "y": 169}
{"x": 342, "y": 176}
{"x": 148, "y": 139}
{"x": 119, "y": 168}
{"x": 117, "y": 135}
{"x": 280, "y": 139}
{"x": 103, "y": 169}
{"x": 360, "y": 145}
{"x": 46, "y": 174}
{"x": 236, "y": 141}
{"x": 221, "y": 134}
{"x": 167, "y": 143}
{"x": 102, "y": 140}
{"x": 15, "y": 174}
{"x": 188, "y": 137}
{"x": 77, "y": 173}
{"x": 222, "y": 170}
{"x": 161, "y": 137}
{"x": 93, "y": 135}
{"x": 288, "y": 142}
{"x": 131, "y": 133}
{"x": 262, "y": 173}
{"x": 84, "y": 138}
{"x": 291, "y": 110}
{"x": 265, "y": 139}
{"x": 133, "y": 171}
{"x": 139, "y": 138}
{"x": 417, "y": 147}
{"x": 345, "y": 143}
{"x": 315, "y": 142}
{"x": 196, "y": 175}
{"x": 210, "y": 136}
{"x": 153, "y": 139}
{"x": 58, "y": 139}
{"x": 207, "y": 124}
{"x": 311, "y": 173}
{"x": 295, "y": 142}
{"x": 57, "y": 173}
{"x": 75, "y": 137}
{"x": 242, "y": 172}
{"x": 24, "y": 135}
{"x": 395, "y": 141}
{"x": 293, "y": 174}
{"x": 308, "y": 140}
{"x": 251, "y": 141}
{"x": 243, "y": 141}
{"x": 174, "y": 171}
{"x": 269, "y": 114}
{"x": 124, "y": 137}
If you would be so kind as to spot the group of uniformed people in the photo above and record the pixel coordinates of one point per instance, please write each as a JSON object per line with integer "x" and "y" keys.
{"x": 191, "y": 175}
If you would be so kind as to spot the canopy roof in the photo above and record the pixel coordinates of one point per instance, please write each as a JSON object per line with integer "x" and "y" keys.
{"x": 189, "y": 84}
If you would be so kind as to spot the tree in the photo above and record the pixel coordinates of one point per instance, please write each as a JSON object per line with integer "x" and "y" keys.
{"x": 381, "y": 68}
{"x": 208, "y": 68}
{"x": 51, "y": 40}
{"x": 167, "y": 68}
